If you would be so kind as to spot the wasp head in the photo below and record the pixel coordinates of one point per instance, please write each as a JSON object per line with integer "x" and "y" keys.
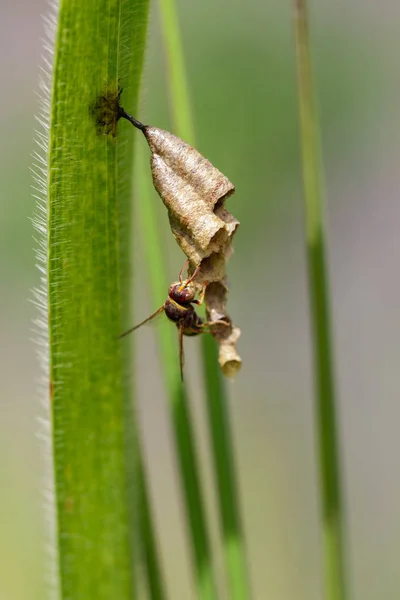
{"x": 182, "y": 292}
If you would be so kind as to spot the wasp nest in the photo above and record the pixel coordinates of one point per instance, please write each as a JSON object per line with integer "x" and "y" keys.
{"x": 194, "y": 192}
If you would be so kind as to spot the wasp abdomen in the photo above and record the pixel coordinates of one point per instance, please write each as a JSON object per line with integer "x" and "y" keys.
{"x": 192, "y": 324}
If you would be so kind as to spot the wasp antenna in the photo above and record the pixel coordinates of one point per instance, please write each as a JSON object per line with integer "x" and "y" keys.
{"x": 197, "y": 269}
{"x": 124, "y": 115}
{"x": 183, "y": 270}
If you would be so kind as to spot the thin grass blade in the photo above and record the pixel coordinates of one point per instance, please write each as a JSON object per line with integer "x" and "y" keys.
{"x": 177, "y": 395}
{"x": 328, "y": 440}
{"x": 217, "y": 402}
{"x": 155, "y": 582}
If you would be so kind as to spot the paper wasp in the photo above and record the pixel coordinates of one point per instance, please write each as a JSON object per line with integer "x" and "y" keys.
{"x": 179, "y": 309}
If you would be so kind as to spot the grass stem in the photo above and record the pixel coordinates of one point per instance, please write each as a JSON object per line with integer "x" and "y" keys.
{"x": 217, "y": 401}
{"x": 330, "y": 480}
{"x": 178, "y": 399}
{"x": 85, "y": 248}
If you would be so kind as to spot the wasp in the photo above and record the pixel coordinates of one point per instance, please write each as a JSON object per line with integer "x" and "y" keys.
{"x": 179, "y": 308}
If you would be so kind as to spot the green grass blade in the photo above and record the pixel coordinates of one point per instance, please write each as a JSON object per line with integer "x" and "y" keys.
{"x": 99, "y": 45}
{"x": 179, "y": 403}
{"x": 224, "y": 472}
{"x": 155, "y": 582}
{"x": 177, "y": 81}
{"x": 224, "y": 466}
{"x": 330, "y": 481}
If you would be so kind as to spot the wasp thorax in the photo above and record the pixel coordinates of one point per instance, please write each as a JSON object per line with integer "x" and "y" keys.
{"x": 175, "y": 312}
{"x": 181, "y": 292}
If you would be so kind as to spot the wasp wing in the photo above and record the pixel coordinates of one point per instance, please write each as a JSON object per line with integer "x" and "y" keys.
{"x": 181, "y": 352}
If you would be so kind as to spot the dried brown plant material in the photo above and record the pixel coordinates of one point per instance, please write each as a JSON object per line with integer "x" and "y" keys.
{"x": 227, "y": 337}
{"x": 194, "y": 192}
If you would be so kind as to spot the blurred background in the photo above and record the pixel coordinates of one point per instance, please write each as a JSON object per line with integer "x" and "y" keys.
{"x": 240, "y": 61}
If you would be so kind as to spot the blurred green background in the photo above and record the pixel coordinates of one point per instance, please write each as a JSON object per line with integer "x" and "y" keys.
{"x": 240, "y": 64}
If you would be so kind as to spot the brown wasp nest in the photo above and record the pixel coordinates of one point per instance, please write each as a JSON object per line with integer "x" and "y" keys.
{"x": 194, "y": 192}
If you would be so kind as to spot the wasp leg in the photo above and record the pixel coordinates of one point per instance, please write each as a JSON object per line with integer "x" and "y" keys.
{"x": 209, "y": 324}
{"x": 202, "y": 294}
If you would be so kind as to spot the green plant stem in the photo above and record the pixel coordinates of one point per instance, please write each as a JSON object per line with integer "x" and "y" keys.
{"x": 181, "y": 419}
{"x": 330, "y": 482}
{"x": 177, "y": 82}
{"x": 155, "y": 582}
{"x": 225, "y": 479}
{"x": 217, "y": 402}
{"x": 99, "y": 45}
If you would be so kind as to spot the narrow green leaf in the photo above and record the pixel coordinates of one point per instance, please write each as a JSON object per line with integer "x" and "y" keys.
{"x": 330, "y": 481}
{"x": 217, "y": 402}
{"x": 99, "y": 47}
{"x": 225, "y": 476}
{"x": 155, "y": 583}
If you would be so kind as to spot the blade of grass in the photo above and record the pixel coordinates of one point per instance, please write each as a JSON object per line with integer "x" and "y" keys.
{"x": 155, "y": 582}
{"x": 225, "y": 476}
{"x": 330, "y": 480}
{"x": 223, "y": 456}
{"x": 179, "y": 402}
{"x": 86, "y": 197}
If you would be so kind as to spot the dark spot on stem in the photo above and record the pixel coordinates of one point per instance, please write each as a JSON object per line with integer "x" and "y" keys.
{"x": 106, "y": 111}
